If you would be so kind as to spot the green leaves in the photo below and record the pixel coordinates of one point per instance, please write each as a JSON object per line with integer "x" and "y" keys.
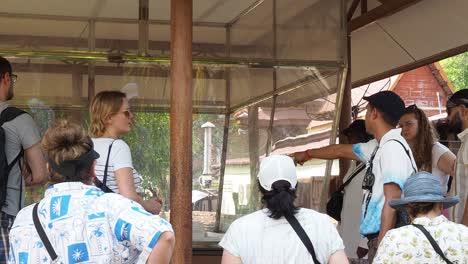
{"x": 149, "y": 142}
{"x": 456, "y": 69}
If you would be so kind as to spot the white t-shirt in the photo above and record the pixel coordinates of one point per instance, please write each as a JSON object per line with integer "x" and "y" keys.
{"x": 257, "y": 238}
{"x": 391, "y": 165}
{"x": 20, "y": 132}
{"x": 120, "y": 157}
{"x": 437, "y": 151}
{"x": 461, "y": 178}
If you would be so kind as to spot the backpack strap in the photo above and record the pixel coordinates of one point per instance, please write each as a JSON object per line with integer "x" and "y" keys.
{"x": 7, "y": 115}
{"x": 45, "y": 240}
{"x": 102, "y": 184}
{"x": 433, "y": 243}
{"x": 292, "y": 220}
{"x": 104, "y": 179}
{"x": 10, "y": 113}
{"x": 355, "y": 172}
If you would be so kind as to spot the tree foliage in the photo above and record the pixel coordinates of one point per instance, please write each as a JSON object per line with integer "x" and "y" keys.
{"x": 149, "y": 142}
{"x": 456, "y": 68}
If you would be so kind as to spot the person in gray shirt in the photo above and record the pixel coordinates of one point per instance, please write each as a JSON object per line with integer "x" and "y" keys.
{"x": 21, "y": 133}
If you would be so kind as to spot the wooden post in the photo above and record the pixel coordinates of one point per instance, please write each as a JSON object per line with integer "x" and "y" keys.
{"x": 345, "y": 119}
{"x": 181, "y": 129}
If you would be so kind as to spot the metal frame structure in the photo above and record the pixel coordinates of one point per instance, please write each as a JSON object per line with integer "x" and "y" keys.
{"x": 182, "y": 50}
{"x": 181, "y": 100}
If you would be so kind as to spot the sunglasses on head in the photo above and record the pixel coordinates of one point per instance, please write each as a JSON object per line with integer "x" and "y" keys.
{"x": 412, "y": 107}
{"x": 456, "y": 102}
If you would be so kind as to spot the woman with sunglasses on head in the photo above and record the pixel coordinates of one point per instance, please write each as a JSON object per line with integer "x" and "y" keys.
{"x": 110, "y": 119}
{"x": 430, "y": 155}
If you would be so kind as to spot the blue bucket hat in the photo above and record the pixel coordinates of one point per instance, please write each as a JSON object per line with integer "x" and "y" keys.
{"x": 423, "y": 187}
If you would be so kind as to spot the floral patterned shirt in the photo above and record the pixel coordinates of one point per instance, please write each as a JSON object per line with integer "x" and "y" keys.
{"x": 409, "y": 245}
{"x": 86, "y": 225}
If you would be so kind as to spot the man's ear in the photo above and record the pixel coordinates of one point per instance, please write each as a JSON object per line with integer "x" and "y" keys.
{"x": 374, "y": 113}
{"x": 3, "y": 78}
{"x": 464, "y": 111}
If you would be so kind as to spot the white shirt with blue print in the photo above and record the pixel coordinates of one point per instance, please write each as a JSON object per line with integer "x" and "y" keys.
{"x": 391, "y": 165}
{"x": 86, "y": 225}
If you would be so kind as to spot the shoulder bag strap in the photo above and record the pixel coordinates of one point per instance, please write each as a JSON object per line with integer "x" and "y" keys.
{"x": 45, "y": 240}
{"x": 408, "y": 154}
{"x": 104, "y": 179}
{"x": 433, "y": 243}
{"x": 356, "y": 171}
{"x": 303, "y": 236}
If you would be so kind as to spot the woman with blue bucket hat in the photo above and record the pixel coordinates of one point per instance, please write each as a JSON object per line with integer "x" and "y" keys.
{"x": 431, "y": 238}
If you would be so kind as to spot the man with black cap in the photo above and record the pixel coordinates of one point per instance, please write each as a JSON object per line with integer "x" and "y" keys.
{"x": 457, "y": 117}
{"x": 389, "y": 163}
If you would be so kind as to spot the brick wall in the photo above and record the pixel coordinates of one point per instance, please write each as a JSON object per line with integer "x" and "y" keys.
{"x": 420, "y": 87}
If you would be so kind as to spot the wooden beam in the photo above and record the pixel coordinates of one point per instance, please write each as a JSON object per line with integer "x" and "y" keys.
{"x": 363, "y": 7}
{"x": 352, "y": 9}
{"x": 181, "y": 129}
{"x": 380, "y": 12}
{"x": 412, "y": 66}
{"x": 385, "y": 1}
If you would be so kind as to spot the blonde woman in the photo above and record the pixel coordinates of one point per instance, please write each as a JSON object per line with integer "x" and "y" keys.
{"x": 110, "y": 119}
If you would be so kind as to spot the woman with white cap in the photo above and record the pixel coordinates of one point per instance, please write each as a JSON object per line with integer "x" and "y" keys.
{"x": 431, "y": 238}
{"x": 282, "y": 232}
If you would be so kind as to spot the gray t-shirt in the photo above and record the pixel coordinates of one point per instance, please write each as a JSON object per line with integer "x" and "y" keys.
{"x": 21, "y": 132}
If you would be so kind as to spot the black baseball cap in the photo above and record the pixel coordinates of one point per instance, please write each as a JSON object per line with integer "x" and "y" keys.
{"x": 388, "y": 103}
{"x": 458, "y": 98}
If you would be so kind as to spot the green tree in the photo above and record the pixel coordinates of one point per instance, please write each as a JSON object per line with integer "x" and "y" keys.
{"x": 149, "y": 142}
{"x": 456, "y": 68}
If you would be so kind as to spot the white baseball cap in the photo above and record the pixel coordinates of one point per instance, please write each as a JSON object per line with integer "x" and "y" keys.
{"x": 275, "y": 168}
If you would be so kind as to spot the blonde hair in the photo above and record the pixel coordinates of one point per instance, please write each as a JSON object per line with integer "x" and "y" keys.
{"x": 103, "y": 106}
{"x": 63, "y": 142}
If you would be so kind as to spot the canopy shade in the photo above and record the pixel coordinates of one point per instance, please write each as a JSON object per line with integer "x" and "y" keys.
{"x": 422, "y": 33}
{"x": 254, "y": 49}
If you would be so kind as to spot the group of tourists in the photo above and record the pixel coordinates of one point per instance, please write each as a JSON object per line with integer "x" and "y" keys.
{"x": 93, "y": 209}
{"x": 404, "y": 178}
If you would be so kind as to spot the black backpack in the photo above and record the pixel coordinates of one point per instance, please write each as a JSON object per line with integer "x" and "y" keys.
{"x": 7, "y": 115}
